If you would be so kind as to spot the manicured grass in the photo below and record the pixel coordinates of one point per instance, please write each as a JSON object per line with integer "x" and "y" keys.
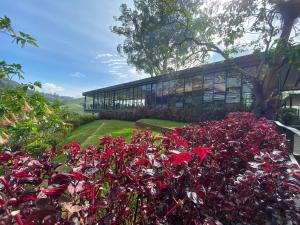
{"x": 162, "y": 123}
{"x": 89, "y": 134}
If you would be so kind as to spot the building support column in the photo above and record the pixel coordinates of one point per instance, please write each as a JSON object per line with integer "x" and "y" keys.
{"x": 93, "y": 102}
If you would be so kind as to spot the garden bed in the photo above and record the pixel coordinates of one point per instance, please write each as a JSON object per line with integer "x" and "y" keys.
{"x": 232, "y": 171}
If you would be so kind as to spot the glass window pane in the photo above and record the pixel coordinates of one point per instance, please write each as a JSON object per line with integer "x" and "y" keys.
{"x": 180, "y": 86}
{"x": 196, "y": 100}
{"x": 197, "y": 83}
{"x": 179, "y": 102}
{"x": 218, "y": 96}
{"x": 208, "y": 96}
{"x": 233, "y": 96}
{"x": 172, "y": 87}
{"x": 220, "y": 77}
{"x": 233, "y": 80}
{"x": 208, "y": 82}
{"x": 220, "y": 87}
{"x": 159, "y": 89}
{"x": 188, "y": 101}
{"x": 166, "y": 86}
{"x": 188, "y": 85}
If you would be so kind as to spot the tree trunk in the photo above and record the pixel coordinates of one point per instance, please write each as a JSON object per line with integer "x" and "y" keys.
{"x": 267, "y": 95}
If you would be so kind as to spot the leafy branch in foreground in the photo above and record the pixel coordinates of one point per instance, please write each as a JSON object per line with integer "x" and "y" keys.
{"x": 19, "y": 37}
{"x": 10, "y": 70}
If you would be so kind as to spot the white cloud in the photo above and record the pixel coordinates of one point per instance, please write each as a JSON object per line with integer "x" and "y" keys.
{"x": 78, "y": 75}
{"x": 117, "y": 63}
{"x": 137, "y": 74}
{"x": 51, "y": 88}
{"x": 118, "y": 67}
{"x": 109, "y": 61}
{"x": 103, "y": 55}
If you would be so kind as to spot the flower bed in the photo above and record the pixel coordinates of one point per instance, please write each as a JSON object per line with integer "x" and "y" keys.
{"x": 232, "y": 171}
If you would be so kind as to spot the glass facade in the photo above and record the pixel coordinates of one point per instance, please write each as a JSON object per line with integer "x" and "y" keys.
{"x": 189, "y": 91}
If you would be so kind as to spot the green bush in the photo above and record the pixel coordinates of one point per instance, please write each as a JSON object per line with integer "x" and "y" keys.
{"x": 209, "y": 112}
{"x": 77, "y": 120}
{"x": 26, "y": 116}
{"x": 37, "y": 148}
{"x": 289, "y": 116}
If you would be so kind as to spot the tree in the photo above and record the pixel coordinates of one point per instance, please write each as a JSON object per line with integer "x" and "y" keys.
{"x": 271, "y": 27}
{"x": 275, "y": 36}
{"x": 151, "y": 30}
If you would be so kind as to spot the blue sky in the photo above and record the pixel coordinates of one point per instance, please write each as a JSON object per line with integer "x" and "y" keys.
{"x": 77, "y": 52}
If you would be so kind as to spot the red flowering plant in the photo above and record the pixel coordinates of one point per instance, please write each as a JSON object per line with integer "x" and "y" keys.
{"x": 232, "y": 171}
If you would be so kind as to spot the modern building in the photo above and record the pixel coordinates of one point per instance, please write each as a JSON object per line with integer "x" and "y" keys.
{"x": 212, "y": 84}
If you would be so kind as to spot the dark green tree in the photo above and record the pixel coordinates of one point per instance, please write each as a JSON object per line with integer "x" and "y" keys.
{"x": 151, "y": 31}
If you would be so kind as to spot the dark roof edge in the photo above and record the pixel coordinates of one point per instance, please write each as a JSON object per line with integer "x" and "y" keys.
{"x": 211, "y": 67}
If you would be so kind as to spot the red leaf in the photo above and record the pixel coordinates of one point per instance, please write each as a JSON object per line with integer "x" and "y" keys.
{"x": 141, "y": 162}
{"x": 107, "y": 154}
{"x": 75, "y": 145}
{"x": 180, "y": 158}
{"x": 55, "y": 191}
{"x": 267, "y": 167}
{"x": 78, "y": 176}
{"x": 22, "y": 174}
{"x": 4, "y": 157}
{"x": 27, "y": 198}
{"x": 201, "y": 152}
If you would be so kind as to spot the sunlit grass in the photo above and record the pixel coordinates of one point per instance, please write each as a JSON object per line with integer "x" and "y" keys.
{"x": 162, "y": 123}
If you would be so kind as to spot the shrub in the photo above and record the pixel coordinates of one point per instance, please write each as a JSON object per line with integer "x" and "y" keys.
{"x": 25, "y": 116}
{"x": 209, "y": 112}
{"x": 232, "y": 171}
{"x": 289, "y": 116}
{"x": 37, "y": 148}
{"x": 77, "y": 120}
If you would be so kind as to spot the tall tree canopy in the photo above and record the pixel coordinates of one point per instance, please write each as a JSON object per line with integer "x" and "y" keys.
{"x": 152, "y": 30}
{"x": 268, "y": 27}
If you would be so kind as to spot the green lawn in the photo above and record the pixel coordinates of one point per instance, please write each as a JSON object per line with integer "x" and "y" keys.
{"x": 89, "y": 134}
{"x": 162, "y": 123}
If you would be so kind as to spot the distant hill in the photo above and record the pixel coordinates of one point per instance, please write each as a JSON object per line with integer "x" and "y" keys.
{"x": 73, "y": 104}
{"x": 5, "y": 83}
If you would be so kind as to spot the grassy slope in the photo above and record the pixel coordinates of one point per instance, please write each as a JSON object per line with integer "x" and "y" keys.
{"x": 89, "y": 134}
{"x": 162, "y": 123}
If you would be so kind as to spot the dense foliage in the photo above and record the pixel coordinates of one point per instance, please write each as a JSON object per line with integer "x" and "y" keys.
{"x": 27, "y": 121}
{"x": 193, "y": 114}
{"x": 77, "y": 120}
{"x": 232, "y": 171}
{"x": 152, "y": 30}
{"x": 289, "y": 116}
